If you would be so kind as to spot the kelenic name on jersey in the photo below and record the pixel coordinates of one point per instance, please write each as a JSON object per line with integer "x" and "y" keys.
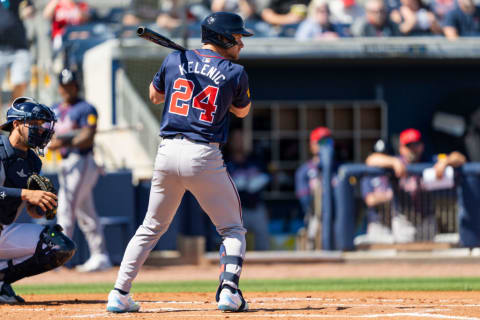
{"x": 204, "y": 69}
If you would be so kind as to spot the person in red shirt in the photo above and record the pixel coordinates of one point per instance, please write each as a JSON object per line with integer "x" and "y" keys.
{"x": 64, "y": 13}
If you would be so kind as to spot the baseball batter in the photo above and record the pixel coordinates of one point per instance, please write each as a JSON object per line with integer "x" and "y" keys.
{"x": 75, "y": 133}
{"x": 200, "y": 88}
{"x": 26, "y": 249}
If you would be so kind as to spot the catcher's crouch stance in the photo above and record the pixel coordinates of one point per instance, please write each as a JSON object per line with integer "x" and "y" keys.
{"x": 27, "y": 249}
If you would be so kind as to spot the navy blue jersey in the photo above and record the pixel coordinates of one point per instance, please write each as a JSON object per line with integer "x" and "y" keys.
{"x": 72, "y": 117}
{"x": 15, "y": 168}
{"x": 199, "y": 87}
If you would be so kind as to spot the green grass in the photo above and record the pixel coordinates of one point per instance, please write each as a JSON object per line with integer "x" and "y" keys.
{"x": 373, "y": 284}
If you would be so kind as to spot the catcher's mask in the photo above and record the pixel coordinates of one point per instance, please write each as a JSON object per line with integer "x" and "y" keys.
{"x": 26, "y": 109}
{"x": 218, "y": 28}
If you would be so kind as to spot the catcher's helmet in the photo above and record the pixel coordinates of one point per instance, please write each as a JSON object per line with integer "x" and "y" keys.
{"x": 218, "y": 28}
{"x": 26, "y": 109}
{"x": 67, "y": 76}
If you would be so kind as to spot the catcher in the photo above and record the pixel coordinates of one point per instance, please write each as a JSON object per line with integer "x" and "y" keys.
{"x": 27, "y": 249}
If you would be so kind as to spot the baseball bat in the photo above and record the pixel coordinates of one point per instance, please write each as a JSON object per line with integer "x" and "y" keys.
{"x": 155, "y": 37}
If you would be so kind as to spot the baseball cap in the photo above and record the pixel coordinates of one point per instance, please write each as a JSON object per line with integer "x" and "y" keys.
{"x": 319, "y": 133}
{"x": 410, "y": 135}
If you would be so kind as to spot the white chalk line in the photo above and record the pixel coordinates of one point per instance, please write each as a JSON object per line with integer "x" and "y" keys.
{"x": 290, "y": 315}
{"x": 429, "y": 312}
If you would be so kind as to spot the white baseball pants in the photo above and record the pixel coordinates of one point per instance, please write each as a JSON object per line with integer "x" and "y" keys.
{"x": 181, "y": 165}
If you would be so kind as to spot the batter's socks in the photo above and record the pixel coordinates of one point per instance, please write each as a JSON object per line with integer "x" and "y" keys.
{"x": 121, "y": 291}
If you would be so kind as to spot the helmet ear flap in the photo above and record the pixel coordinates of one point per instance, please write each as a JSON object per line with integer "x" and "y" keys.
{"x": 223, "y": 40}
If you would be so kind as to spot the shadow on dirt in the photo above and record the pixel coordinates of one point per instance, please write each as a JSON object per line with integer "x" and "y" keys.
{"x": 61, "y": 302}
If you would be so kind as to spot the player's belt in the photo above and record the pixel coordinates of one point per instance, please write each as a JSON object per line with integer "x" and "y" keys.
{"x": 181, "y": 137}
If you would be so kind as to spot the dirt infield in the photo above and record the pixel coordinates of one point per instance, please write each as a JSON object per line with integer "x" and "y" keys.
{"x": 269, "y": 271}
{"x": 288, "y": 305}
{"x": 263, "y": 305}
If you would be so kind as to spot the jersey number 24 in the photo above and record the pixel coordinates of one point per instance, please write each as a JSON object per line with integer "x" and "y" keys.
{"x": 204, "y": 101}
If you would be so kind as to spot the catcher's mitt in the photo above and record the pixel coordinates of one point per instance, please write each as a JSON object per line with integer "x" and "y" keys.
{"x": 37, "y": 182}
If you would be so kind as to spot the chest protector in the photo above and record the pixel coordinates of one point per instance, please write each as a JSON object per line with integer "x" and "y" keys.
{"x": 9, "y": 209}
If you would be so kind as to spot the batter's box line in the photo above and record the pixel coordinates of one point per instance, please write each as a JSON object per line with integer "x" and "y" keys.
{"x": 245, "y": 315}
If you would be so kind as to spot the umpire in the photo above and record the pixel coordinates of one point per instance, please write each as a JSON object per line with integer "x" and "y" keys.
{"x": 26, "y": 249}
{"x": 75, "y": 134}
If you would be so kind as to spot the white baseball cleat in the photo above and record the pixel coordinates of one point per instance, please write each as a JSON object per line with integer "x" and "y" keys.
{"x": 231, "y": 300}
{"x": 120, "y": 303}
{"x": 96, "y": 262}
{"x": 7, "y": 295}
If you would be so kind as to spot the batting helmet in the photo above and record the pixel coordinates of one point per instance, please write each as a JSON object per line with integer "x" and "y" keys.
{"x": 67, "y": 76}
{"x": 26, "y": 109}
{"x": 218, "y": 28}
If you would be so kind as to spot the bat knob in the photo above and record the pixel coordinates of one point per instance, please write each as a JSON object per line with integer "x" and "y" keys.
{"x": 140, "y": 31}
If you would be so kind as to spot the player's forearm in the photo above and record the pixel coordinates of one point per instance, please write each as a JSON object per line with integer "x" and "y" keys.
{"x": 155, "y": 95}
{"x": 240, "y": 112}
{"x": 10, "y": 193}
{"x": 84, "y": 139}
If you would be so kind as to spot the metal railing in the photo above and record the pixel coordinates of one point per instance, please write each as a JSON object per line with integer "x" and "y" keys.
{"x": 452, "y": 210}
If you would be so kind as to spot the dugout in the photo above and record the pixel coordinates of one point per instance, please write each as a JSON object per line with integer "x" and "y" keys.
{"x": 363, "y": 89}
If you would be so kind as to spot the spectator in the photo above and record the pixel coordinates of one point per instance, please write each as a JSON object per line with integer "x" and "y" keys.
{"x": 345, "y": 12}
{"x": 247, "y": 9}
{"x": 285, "y": 12}
{"x": 14, "y": 52}
{"x": 250, "y": 179}
{"x": 140, "y": 12}
{"x": 377, "y": 194}
{"x": 392, "y": 5}
{"x": 414, "y": 19}
{"x": 75, "y": 133}
{"x": 308, "y": 185}
{"x": 168, "y": 15}
{"x": 410, "y": 151}
{"x": 226, "y": 5}
{"x": 441, "y": 7}
{"x": 64, "y": 13}
{"x": 317, "y": 25}
{"x": 376, "y": 22}
{"x": 462, "y": 21}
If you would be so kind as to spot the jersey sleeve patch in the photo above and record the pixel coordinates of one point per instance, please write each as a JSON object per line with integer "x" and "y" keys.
{"x": 242, "y": 96}
{"x": 92, "y": 119}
